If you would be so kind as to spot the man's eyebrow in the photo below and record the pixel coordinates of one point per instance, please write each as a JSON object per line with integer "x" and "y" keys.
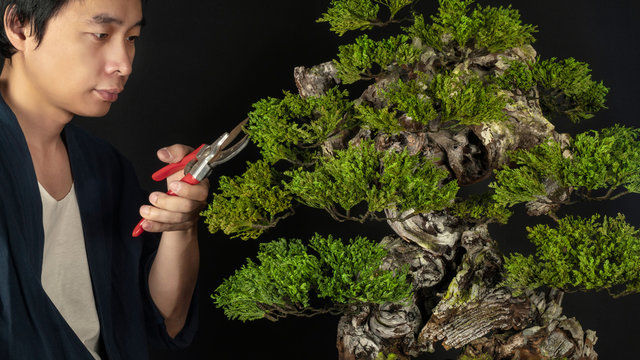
{"x": 108, "y": 19}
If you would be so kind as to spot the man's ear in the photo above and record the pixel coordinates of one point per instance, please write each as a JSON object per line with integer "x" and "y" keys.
{"x": 17, "y": 32}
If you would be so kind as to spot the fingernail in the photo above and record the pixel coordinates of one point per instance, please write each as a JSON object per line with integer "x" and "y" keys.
{"x": 153, "y": 197}
{"x": 175, "y": 186}
{"x": 165, "y": 154}
{"x": 146, "y": 225}
{"x": 144, "y": 211}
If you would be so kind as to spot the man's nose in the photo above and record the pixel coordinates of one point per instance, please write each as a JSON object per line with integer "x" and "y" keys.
{"x": 120, "y": 59}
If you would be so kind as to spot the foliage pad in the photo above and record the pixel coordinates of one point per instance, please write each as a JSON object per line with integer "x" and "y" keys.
{"x": 491, "y": 28}
{"x": 348, "y": 15}
{"x": 289, "y": 279}
{"x": 285, "y": 128}
{"x": 605, "y": 159}
{"x": 366, "y": 57}
{"x": 454, "y": 98}
{"x": 580, "y": 254}
{"x": 564, "y": 86}
{"x": 247, "y": 205}
{"x": 481, "y": 208}
{"x": 384, "y": 180}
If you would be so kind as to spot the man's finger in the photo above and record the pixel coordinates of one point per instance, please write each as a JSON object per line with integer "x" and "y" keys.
{"x": 175, "y": 203}
{"x": 173, "y": 153}
{"x": 158, "y": 215}
{"x": 197, "y": 192}
{"x": 154, "y": 226}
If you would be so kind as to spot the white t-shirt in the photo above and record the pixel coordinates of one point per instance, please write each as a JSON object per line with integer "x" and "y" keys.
{"x": 65, "y": 270}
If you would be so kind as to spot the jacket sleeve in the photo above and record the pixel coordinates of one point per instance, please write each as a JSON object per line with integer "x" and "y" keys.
{"x": 155, "y": 328}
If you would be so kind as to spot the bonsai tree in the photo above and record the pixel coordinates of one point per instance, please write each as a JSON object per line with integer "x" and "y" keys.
{"x": 456, "y": 99}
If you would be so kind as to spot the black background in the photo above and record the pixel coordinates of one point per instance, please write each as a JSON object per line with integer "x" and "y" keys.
{"x": 201, "y": 64}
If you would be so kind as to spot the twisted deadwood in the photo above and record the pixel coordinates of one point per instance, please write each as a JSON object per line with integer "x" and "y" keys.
{"x": 455, "y": 267}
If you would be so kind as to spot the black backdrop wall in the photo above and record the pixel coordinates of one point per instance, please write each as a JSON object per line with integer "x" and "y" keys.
{"x": 201, "y": 64}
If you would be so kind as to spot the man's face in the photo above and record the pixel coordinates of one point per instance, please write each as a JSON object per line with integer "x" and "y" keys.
{"x": 85, "y": 56}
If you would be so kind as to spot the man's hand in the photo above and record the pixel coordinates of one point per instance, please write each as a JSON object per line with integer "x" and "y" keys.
{"x": 181, "y": 212}
{"x": 175, "y": 268}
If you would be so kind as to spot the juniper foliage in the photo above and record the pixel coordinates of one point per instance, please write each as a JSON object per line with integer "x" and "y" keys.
{"x": 352, "y": 274}
{"x": 465, "y": 99}
{"x": 349, "y": 15}
{"x": 564, "y": 86}
{"x": 453, "y": 98}
{"x": 513, "y": 186}
{"x": 607, "y": 159}
{"x": 395, "y": 5}
{"x": 366, "y": 57}
{"x": 481, "y": 208}
{"x": 410, "y": 97}
{"x": 384, "y": 180}
{"x": 490, "y": 28}
{"x": 580, "y": 254}
{"x": 382, "y": 356}
{"x": 289, "y": 278}
{"x": 378, "y": 120}
{"x": 247, "y": 205}
{"x": 285, "y": 128}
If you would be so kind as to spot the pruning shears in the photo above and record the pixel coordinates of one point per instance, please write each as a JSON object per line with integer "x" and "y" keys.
{"x": 199, "y": 164}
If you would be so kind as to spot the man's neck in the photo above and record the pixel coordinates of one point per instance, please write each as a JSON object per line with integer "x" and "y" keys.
{"x": 41, "y": 123}
{"x": 42, "y": 126}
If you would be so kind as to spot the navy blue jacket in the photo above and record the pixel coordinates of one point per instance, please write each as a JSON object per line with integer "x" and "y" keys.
{"x": 109, "y": 198}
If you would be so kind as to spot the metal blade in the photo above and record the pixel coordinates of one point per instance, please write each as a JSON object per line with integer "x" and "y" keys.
{"x": 230, "y": 153}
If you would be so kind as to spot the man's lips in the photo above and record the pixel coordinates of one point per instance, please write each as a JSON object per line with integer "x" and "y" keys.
{"x": 109, "y": 95}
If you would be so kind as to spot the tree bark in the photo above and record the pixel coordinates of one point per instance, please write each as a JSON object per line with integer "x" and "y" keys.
{"x": 455, "y": 266}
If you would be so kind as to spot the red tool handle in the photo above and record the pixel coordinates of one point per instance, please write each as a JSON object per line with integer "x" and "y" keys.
{"x": 168, "y": 170}
{"x": 189, "y": 179}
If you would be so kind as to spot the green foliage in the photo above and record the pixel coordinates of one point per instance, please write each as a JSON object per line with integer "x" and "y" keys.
{"x": 565, "y": 86}
{"x": 491, "y": 28}
{"x": 395, "y": 5}
{"x": 355, "y": 175}
{"x": 465, "y": 99}
{"x": 460, "y": 98}
{"x": 481, "y": 208}
{"x": 519, "y": 75}
{"x": 359, "y": 59}
{"x": 451, "y": 23}
{"x": 382, "y": 120}
{"x": 411, "y": 98}
{"x": 608, "y": 159}
{"x": 284, "y": 275}
{"x": 347, "y": 15}
{"x": 419, "y": 30}
{"x": 499, "y": 29}
{"x": 286, "y": 128}
{"x": 351, "y": 273}
{"x": 382, "y": 356}
{"x": 513, "y": 186}
{"x": 247, "y": 205}
{"x": 288, "y": 279}
{"x": 580, "y": 254}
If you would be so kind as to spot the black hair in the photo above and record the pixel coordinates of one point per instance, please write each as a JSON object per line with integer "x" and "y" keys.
{"x": 36, "y": 12}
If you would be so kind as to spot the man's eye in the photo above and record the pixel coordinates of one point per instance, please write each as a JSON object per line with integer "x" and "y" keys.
{"x": 101, "y": 36}
{"x": 132, "y": 38}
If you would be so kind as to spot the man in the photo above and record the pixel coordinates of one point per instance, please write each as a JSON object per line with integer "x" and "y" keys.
{"x": 74, "y": 284}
